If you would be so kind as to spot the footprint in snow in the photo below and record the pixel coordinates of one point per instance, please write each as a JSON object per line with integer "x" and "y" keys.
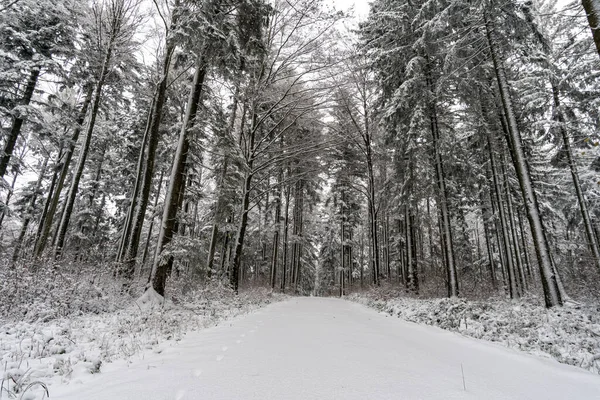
{"x": 197, "y": 373}
{"x": 220, "y": 357}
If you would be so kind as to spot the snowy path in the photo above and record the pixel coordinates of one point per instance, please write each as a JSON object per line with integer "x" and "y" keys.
{"x": 315, "y": 348}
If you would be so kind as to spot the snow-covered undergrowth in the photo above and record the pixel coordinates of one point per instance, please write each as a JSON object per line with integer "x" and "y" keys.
{"x": 57, "y": 333}
{"x": 569, "y": 334}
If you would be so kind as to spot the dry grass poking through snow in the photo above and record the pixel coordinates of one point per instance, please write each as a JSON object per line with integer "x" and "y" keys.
{"x": 569, "y": 334}
{"x": 56, "y": 327}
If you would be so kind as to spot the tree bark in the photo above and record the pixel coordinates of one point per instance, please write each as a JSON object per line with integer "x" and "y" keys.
{"x": 547, "y": 273}
{"x": 131, "y": 242}
{"x": 50, "y": 209}
{"x": 72, "y": 194}
{"x": 158, "y": 277}
{"x": 448, "y": 248}
{"x": 512, "y": 283}
{"x": 277, "y": 225}
{"x": 15, "y": 131}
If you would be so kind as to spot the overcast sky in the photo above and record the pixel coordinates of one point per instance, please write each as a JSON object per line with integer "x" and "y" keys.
{"x": 361, "y": 7}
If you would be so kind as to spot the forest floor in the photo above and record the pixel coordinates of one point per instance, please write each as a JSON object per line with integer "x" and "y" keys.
{"x": 569, "y": 334}
{"x": 44, "y": 345}
{"x": 324, "y": 348}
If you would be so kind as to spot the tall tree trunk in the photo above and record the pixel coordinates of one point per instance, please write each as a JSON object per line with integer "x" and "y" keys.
{"x": 72, "y": 194}
{"x": 126, "y": 230}
{"x": 547, "y": 273}
{"x": 52, "y": 204}
{"x": 158, "y": 277}
{"x": 220, "y": 203}
{"x": 131, "y": 241}
{"x": 411, "y": 260}
{"x": 592, "y": 8}
{"x": 448, "y": 248}
{"x": 151, "y": 227}
{"x": 234, "y": 277}
{"x": 277, "y": 225}
{"x": 15, "y": 130}
{"x": 511, "y": 219}
{"x": 286, "y": 223}
{"x": 512, "y": 283}
{"x": 485, "y": 213}
{"x": 9, "y": 195}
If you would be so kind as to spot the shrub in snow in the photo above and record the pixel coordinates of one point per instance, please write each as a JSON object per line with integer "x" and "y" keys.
{"x": 569, "y": 334}
{"x": 58, "y": 324}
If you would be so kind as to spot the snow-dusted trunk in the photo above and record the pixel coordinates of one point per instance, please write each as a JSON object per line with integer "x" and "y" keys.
{"x": 65, "y": 161}
{"x": 15, "y": 130}
{"x": 296, "y": 261}
{"x": 151, "y": 227}
{"x": 160, "y": 269}
{"x": 510, "y": 268}
{"x": 140, "y": 196}
{"x": 344, "y": 247}
{"x": 513, "y": 231}
{"x": 85, "y": 148}
{"x": 487, "y": 232}
{"x": 234, "y": 276}
{"x": 446, "y": 230}
{"x": 277, "y": 224}
{"x": 592, "y": 9}
{"x": 220, "y": 203}
{"x": 126, "y": 230}
{"x": 9, "y": 195}
{"x": 286, "y": 221}
{"x": 581, "y": 200}
{"x": 372, "y": 210}
{"x": 343, "y": 250}
{"x": 411, "y": 257}
{"x": 528, "y": 267}
{"x": 28, "y": 211}
{"x": 547, "y": 272}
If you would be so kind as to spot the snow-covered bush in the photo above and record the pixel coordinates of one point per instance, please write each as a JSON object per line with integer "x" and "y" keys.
{"x": 569, "y": 334}
{"x": 57, "y": 324}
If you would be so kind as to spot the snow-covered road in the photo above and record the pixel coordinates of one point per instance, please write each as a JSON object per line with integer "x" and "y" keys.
{"x": 319, "y": 348}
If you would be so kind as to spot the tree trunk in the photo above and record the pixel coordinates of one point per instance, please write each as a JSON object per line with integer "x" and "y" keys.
{"x": 15, "y": 131}
{"x": 286, "y": 223}
{"x": 131, "y": 242}
{"x": 72, "y": 194}
{"x": 125, "y": 234}
{"x": 277, "y": 225}
{"x": 512, "y": 283}
{"x": 411, "y": 260}
{"x": 50, "y": 208}
{"x": 176, "y": 187}
{"x": 448, "y": 249}
{"x": 547, "y": 273}
{"x": 151, "y": 227}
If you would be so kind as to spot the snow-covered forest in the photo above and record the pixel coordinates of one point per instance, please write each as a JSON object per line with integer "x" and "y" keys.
{"x": 212, "y": 156}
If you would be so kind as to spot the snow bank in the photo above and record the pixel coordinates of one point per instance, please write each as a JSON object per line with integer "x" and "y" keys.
{"x": 44, "y": 351}
{"x": 569, "y": 334}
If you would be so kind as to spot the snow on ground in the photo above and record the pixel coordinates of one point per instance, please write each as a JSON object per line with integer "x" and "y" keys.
{"x": 569, "y": 334}
{"x": 320, "y": 348}
{"x": 44, "y": 349}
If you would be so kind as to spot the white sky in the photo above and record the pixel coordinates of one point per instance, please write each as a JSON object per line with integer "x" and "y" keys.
{"x": 361, "y": 7}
